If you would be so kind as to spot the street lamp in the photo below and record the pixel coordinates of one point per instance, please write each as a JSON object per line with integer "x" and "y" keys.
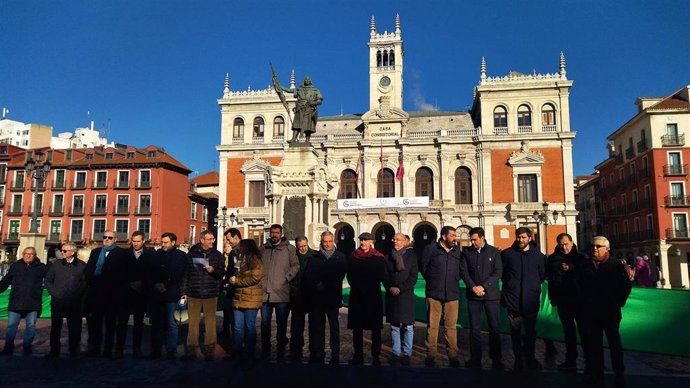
{"x": 223, "y": 219}
{"x": 543, "y": 218}
{"x": 39, "y": 172}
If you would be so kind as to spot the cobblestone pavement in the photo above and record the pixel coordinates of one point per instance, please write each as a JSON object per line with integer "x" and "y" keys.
{"x": 642, "y": 369}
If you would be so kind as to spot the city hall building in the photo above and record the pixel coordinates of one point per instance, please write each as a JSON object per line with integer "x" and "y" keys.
{"x": 505, "y": 163}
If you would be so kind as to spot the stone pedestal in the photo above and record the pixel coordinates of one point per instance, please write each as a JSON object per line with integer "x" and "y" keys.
{"x": 298, "y": 194}
{"x": 35, "y": 240}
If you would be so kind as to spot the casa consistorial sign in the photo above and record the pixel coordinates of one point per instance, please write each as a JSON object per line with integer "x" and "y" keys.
{"x": 388, "y": 203}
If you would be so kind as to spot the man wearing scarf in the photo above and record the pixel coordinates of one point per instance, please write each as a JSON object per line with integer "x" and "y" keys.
{"x": 297, "y": 306}
{"x": 401, "y": 277}
{"x": 365, "y": 273}
{"x": 322, "y": 290}
{"x": 107, "y": 282}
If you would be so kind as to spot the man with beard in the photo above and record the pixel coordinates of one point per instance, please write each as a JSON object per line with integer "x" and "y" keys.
{"x": 565, "y": 293}
{"x": 138, "y": 294}
{"x": 523, "y": 272}
{"x": 322, "y": 289}
{"x": 280, "y": 267}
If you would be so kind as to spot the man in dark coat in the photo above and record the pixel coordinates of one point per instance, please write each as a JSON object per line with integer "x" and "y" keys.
{"x": 441, "y": 270}
{"x": 26, "y": 278}
{"x": 107, "y": 284}
{"x": 167, "y": 269}
{"x": 564, "y": 293}
{"x": 66, "y": 283}
{"x": 138, "y": 292}
{"x": 322, "y": 291}
{"x": 524, "y": 269}
{"x": 365, "y": 273}
{"x": 401, "y": 277}
{"x": 605, "y": 289}
{"x": 298, "y": 307}
{"x": 481, "y": 268}
{"x": 204, "y": 270}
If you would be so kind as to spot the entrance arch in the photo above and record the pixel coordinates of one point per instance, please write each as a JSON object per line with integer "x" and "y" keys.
{"x": 345, "y": 238}
{"x": 423, "y": 234}
{"x": 463, "y": 236}
{"x": 383, "y": 233}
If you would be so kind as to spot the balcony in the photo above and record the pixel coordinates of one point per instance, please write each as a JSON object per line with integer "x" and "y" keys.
{"x": 675, "y": 170}
{"x": 121, "y": 210}
{"x": 15, "y": 211}
{"x": 12, "y": 237}
{"x": 673, "y": 140}
{"x": 122, "y": 236}
{"x": 642, "y": 146}
{"x": 619, "y": 159}
{"x": 121, "y": 185}
{"x": 76, "y": 237}
{"x": 18, "y": 186}
{"x": 629, "y": 153}
{"x": 677, "y": 201}
{"x": 97, "y": 236}
{"x": 41, "y": 186}
{"x": 524, "y": 129}
{"x": 54, "y": 237}
{"x": 56, "y": 211}
{"x": 143, "y": 211}
{"x": 100, "y": 185}
{"x": 548, "y": 128}
{"x": 39, "y": 213}
{"x": 99, "y": 211}
{"x": 500, "y": 130}
{"x": 59, "y": 186}
{"x": 79, "y": 185}
{"x": 677, "y": 234}
{"x": 143, "y": 185}
{"x": 77, "y": 211}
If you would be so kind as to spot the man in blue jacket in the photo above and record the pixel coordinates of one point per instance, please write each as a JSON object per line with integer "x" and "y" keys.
{"x": 441, "y": 270}
{"x": 481, "y": 268}
{"x": 524, "y": 269}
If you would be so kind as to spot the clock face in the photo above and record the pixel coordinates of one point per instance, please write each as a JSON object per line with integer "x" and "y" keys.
{"x": 385, "y": 82}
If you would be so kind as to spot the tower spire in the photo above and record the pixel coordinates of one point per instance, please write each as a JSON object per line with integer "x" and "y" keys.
{"x": 562, "y": 72}
{"x": 292, "y": 79}
{"x": 226, "y": 91}
{"x": 397, "y": 24}
{"x": 372, "y": 26}
{"x": 482, "y": 69}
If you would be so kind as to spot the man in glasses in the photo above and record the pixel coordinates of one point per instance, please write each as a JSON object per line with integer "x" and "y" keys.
{"x": 26, "y": 278}
{"x": 65, "y": 282}
{"x": 565, "y": 293}
{"x": 107, "y": 280}
{"x": 605, "y": 289}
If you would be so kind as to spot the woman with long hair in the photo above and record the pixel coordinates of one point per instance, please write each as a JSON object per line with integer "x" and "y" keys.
{"x": 247, "y": 300}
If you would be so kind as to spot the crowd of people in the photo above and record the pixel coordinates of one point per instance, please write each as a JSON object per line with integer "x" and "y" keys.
{"x": 297, "y": 281}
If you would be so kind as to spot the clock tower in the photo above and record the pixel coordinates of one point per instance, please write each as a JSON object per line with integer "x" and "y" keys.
{"x": 385, "y": 78}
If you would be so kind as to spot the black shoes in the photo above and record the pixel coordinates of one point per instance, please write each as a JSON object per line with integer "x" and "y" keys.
{"x": 52, "y": 354}
{"x": 567, "y": 366}
{"x": 429, "y": 362}
{"x": 497, "y": 365}
{"x": 356, "y": 360}
{"x": 473, "y": 364}
{"x": 405, "y": 360}
{"x": 454, "y": 363}
{"x": 376, "y": 361}
{"x": 533, "y": 364}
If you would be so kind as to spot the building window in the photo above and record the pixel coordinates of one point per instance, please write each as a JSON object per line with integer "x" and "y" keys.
{"x": 122, "y": 204}
{"x": 204, "y": 214}
{"x": 385, "y": 184}
{"x": 89, "y": 156}
{"x": 463, "y": 186}
{"x": 527, "y": 188}
{"x": 500, "y": 117}
{"x": 122, "y": 229}
{"x": 58, "y": 203}
{"x": 19, "y": 179}
{"x": 192, "y": 234}
{"x": 38, "y": 203}
{"x": 123, "y": 179}
{"x": 672, "y": 132}
{"x": 424, "y": 183}
{"x": 278, "y": 126}
{"x": 17, "y": 203}
{"x": 677, "y": 194}
{"x": 257, "y": 193}
{"x": 348, "y": 185}
{"x": 109, "y": 155}
{"x": 59, "y": 179}
{"x": 80, "y": 180}
{"x": 13, "y": 231}
{"x": 645, "y": 167}
{"x": 237, "y": 129}
{"x": 78, "y": 204}
{"x": 548, "y": 115}
{"x": 674, "y": 163}
{"x": 3, "y": 172}
{"x": 98, "y": 229}
{"x": 258, "y": 127}
{"x": 680, "y": 225}
{"x": 130, "y": 155}
{"x": 145, "y": 204}
{"x": 524, "y": 116}
{"x": 151, "y": 154}
{"x": 101, "y": 204}
{"x": 68, "y": 155}
{"x": 55, "y": 230}
{"x": 193, "y": 213}
{"x": 101, "y": 179}
{"x": 77, "y": 230}
{"x": 145, "y": 178}
{"x": 144, "y": 226}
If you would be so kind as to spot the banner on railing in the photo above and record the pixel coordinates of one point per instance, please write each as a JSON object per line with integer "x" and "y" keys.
{"x": 387, "y": 203}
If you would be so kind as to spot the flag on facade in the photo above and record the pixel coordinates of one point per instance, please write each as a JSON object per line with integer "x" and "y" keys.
{"x": 381, "y": 159}
{"x": 401, "y": 168}
{"x": 358, "y": 171}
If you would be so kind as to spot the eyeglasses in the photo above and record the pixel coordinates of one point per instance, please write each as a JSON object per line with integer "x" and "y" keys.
{"x": 66, "y": 250}
{"x": 595, "y": 246}
{"x": 28, "y": 254}
{"x": 108, "y": 237}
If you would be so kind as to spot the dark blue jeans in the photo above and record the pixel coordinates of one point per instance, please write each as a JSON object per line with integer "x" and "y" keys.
{"x": 164, "y": 325}
{"x": 245, "y": 326}
{"x": 493, "y": 311}
{"x": 282, "y": 311}
{"x": 13, "y": 324}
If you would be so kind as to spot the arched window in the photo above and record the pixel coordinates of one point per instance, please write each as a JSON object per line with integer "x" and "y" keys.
{"x": 463, "y": 186}
{"x": 385, "y": 58}
{"x": 378, "y": 58}
{"x": 424, "y": 183}
{"x": 524, "y": 116}
{"x": 548, "y": 118}
{"x": 500, "y": 117}
{"x": 348, "y": 185}
{"x": 258, "y": 128}
{"x": 391, "y": 59}
{"x": 278, "y": 126}
{"x": 238, "y": 128}
{"x": 385, "y": 186}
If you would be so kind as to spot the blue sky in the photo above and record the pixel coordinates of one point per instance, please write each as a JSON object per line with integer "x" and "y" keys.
{"x": 150, "y": 71}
